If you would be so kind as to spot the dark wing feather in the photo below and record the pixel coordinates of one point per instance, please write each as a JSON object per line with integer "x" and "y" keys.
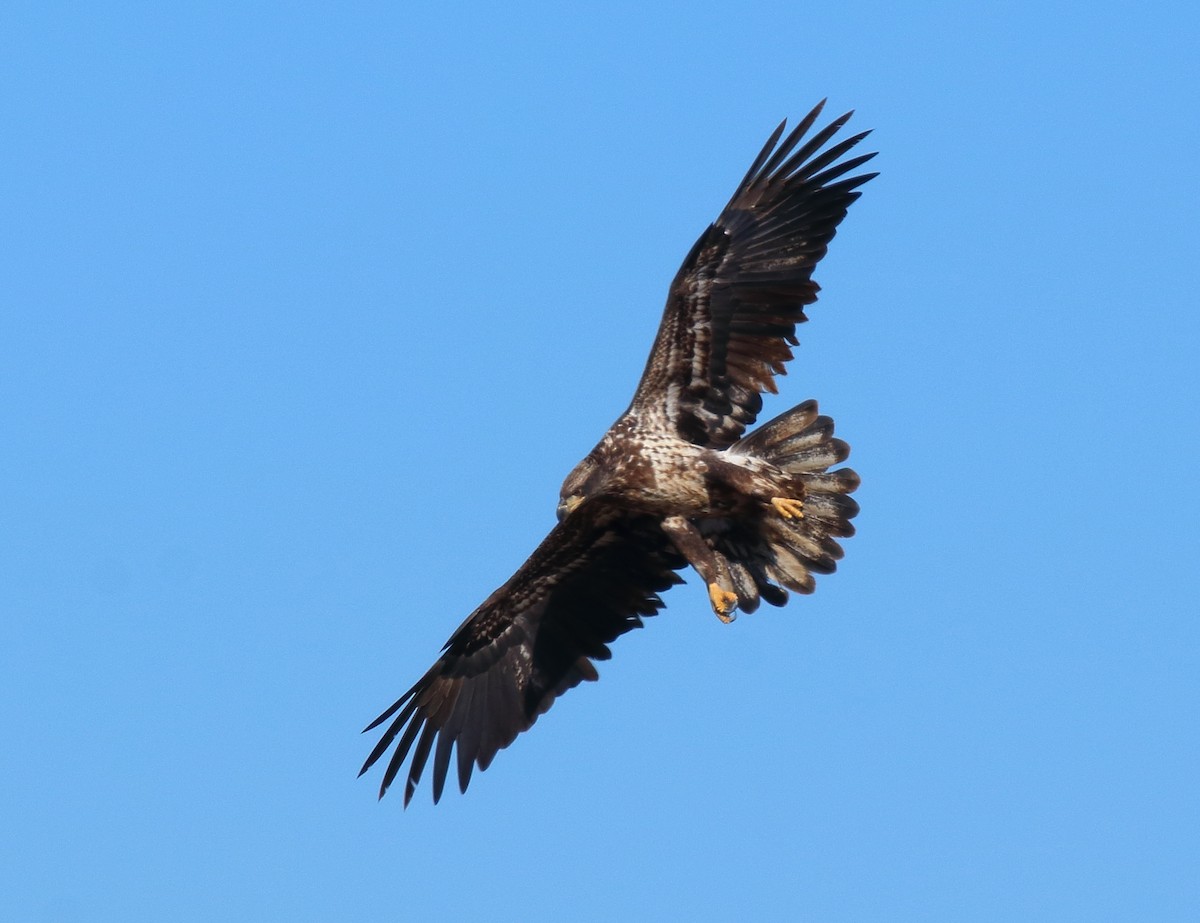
{"x": 593, "y": 578}
{"x": 731, "y": 314}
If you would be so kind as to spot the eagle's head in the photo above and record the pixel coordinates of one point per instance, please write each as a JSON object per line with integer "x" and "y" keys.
{"x": 585, "y": 481}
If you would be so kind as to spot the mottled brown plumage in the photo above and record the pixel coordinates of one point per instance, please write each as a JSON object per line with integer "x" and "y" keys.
{"x": 676, "y": 481}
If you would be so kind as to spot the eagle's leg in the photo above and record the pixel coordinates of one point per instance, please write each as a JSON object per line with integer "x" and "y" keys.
{"x": 767, "y": 484}
{"x": 711, "y": 567}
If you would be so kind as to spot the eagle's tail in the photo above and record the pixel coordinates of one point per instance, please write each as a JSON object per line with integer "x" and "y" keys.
{"x": 776, "y": 554}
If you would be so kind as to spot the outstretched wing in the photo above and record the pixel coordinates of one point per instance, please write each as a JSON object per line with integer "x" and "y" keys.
{"x": 592, "y": 579}
{"x": 732, "y": 311}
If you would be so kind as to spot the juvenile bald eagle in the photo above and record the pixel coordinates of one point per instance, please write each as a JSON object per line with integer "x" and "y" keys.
{"x": 676, "y": 481}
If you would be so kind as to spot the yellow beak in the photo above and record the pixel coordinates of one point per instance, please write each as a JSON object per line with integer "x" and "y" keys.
{"x": 567, "y": 505}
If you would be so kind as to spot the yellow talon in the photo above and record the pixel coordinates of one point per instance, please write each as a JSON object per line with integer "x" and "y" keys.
{"x": 788, "y": 508}
{"x": 723, "y": 602}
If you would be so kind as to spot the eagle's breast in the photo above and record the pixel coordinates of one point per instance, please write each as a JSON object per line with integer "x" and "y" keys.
{"x": 655, "y": 471}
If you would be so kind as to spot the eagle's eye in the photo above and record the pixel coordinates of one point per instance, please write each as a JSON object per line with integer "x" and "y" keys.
{"x": 579, "y": 481}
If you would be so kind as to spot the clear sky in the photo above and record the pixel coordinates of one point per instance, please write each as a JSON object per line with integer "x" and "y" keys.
{"x": 306, "y": 310}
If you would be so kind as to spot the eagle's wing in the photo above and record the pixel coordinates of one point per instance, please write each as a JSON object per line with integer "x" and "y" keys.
{"x": 593, "y": 578}
{"x": 732, "y": 311}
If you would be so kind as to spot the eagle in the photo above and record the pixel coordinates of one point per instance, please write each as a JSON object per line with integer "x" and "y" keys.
{"x": 677, "y": 480}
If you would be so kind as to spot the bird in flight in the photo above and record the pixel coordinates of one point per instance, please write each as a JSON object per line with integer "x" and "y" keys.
{"x": 676, "y": 481}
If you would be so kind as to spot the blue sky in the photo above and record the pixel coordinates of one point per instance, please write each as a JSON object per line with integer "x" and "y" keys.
{"x": 308, "y": 308}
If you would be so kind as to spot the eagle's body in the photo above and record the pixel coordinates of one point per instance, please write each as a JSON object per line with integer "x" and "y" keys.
{"x": 676, "y": 480}
{"x": 648, "y": 470}
{"x": 645, "y": 470}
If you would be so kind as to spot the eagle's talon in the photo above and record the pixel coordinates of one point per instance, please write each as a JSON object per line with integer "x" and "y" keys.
{"x": 723, "y": 602}
{"x": 788, "y": 508}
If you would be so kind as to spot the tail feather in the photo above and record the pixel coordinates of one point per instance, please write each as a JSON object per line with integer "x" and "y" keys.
{"x": 792, "y": 570}
{"x": 833, "y": 510}
{"x": 811, "y": 543}
{"x": 772, "y": 555}
{"x": 784, "y": 427}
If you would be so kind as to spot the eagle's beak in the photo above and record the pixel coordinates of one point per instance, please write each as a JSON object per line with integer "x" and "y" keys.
{"x": 567, "y": 505}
